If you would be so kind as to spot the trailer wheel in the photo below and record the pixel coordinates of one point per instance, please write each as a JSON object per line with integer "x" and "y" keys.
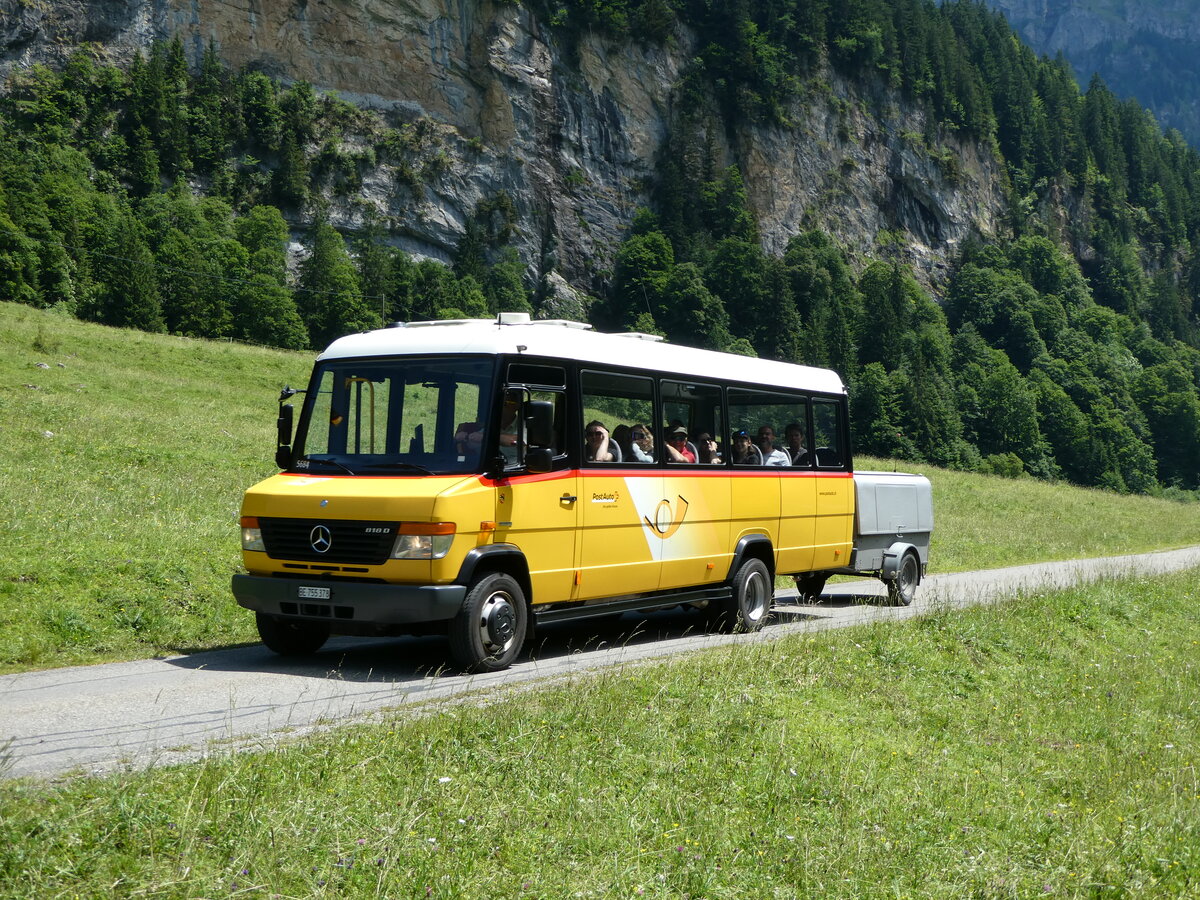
{"x": 291, "y": 638}
{"x": 489, "y": 630}
{"x": 747, "y": 610}
{"x": 902, "y": 589}
{"x": 810, "y": 585}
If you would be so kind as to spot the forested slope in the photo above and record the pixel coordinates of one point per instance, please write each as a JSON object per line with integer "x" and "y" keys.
{"x": 169, "y": 195}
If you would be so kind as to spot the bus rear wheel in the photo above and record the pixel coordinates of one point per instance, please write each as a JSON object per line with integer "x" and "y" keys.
{"x": 750, "y": 604}
{"x": 291, "y": 638}
{"x": 489, "y": 630}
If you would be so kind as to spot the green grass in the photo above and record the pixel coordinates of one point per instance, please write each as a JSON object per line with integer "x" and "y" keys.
{"x": 1044, "y": 747}
{"x": 119, "y": 529}
{"x": 124, "y": 463}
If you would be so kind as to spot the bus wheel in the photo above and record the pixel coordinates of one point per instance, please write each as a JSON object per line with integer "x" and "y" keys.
{"x": 489, "y": 630}
{"x": 902, "y": 589}
{"x": 748, "y": 608}
{"x": 810, "y": 585}
{"x": 291, "y": 638}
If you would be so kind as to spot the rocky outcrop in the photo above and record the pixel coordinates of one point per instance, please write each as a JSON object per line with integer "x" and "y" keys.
{"x": 570, "y": 133}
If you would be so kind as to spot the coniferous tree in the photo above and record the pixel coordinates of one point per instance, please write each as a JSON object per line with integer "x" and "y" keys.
{"x": 208, "y": 114}
{"x": 330, "y": 299}
{"x": 128, "y": 290}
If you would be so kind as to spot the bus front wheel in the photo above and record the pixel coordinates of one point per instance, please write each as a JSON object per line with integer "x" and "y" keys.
{"x": 750, "y": 604}
{"x": 489, "y": 630}
{"x": 291, "y": 638}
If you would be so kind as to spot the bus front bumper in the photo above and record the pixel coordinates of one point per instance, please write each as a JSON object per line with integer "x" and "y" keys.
{"x": 349, "y": 602}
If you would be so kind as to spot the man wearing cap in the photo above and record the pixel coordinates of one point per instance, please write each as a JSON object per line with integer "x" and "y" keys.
{"x": 677, "y": 445}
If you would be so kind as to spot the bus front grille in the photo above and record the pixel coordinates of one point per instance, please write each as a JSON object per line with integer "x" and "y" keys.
{"x": 328, "y": 540}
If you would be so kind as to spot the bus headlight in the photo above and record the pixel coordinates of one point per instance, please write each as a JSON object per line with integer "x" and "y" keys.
{"x": 252, "y": 538}
{"x": 423, "y": 540}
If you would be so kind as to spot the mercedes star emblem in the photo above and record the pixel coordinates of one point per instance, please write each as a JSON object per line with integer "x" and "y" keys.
{"x": 321, "y": 539}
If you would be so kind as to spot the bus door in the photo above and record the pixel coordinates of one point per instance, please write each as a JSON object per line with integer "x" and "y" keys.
{"x": 620, "y": 487}
{"x": 537, "y": 500}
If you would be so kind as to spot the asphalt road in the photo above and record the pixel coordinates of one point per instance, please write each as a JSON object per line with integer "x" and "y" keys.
{"x": 93, "y": 719}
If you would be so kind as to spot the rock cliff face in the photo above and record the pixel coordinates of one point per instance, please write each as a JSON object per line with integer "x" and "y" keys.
{"x": 570, "y": 133}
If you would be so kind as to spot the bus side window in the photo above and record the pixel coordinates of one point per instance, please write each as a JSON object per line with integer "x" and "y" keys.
{"x": 693, "y": 426}
{"x": 827, "y": 434}
{"x": 615, "y": 407}
{"x": 764, "y": 417}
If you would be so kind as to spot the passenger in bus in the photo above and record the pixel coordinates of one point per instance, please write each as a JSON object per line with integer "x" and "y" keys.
{"x": 642, "y": 446}
{"x": 622, "y": 440}
{"x": 677, "y": 445}
{"x": 509, "y": 426}
{"x": 772, "y": 455}
{"x": 467, "y": 438}
{"x": 596, "y": 443}
{"x": 794, "y": 435}
{"x": 707, "y": 448}
{"x": 744, "y": 452}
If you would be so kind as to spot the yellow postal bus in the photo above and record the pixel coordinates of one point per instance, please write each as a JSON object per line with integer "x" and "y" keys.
{"x": 481, "y": 477}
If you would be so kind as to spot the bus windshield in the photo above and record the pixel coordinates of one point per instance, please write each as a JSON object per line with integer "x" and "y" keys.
{"x": 396, "y": 416}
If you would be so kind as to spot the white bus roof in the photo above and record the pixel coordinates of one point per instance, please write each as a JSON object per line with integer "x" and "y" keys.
{"x": 516, "y": 333}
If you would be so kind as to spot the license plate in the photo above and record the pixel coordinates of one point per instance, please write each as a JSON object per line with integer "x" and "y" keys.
{"x": 312, "y": 593}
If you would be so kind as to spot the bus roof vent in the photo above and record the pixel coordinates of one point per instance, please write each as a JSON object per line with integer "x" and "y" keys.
{"x": 433, "y": 324}
{"x": 640, "y": 336}
{"x": 512, "y": 318}
{"x": 564, "y": 323}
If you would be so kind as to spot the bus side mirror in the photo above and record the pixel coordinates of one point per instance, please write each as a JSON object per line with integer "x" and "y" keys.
{"x": 283, "y": 427}
{"x": 539, "y": 460}
{"x": 539, "y": 424}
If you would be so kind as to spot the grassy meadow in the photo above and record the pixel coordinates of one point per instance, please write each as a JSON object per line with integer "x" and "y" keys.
{"x": 125, "y": 455}
{"x": 123, "y": 467}
{"x": 1045, "y": 747}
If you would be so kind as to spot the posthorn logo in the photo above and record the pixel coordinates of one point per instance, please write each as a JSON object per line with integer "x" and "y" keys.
{"x": 320, "y": 539}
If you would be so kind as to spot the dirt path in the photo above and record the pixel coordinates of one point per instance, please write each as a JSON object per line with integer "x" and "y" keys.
{"x": 98, "y": 718}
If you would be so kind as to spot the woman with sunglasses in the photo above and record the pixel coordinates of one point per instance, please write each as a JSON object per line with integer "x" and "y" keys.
{"x": 707, "y": 447}
{"x": 642, "y": 445}
{"x": 595, "y": 443}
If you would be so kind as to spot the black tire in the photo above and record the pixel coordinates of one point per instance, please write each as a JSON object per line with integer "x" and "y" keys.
{"x": 902, "y": 589}
{"x": 287, "y": 638}
{"x": 750, "y": 606}
{"x": 810, "y": 585}
{"x": 490, "y": 629}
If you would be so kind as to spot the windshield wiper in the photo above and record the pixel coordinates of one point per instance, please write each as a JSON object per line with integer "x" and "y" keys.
{"x": 333, "y": 462}
{"x": 396, "y": 464}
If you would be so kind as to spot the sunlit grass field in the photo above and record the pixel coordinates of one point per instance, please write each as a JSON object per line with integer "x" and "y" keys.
{"x": 125, "y": 455}
{"x": 1045, "y": 747}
